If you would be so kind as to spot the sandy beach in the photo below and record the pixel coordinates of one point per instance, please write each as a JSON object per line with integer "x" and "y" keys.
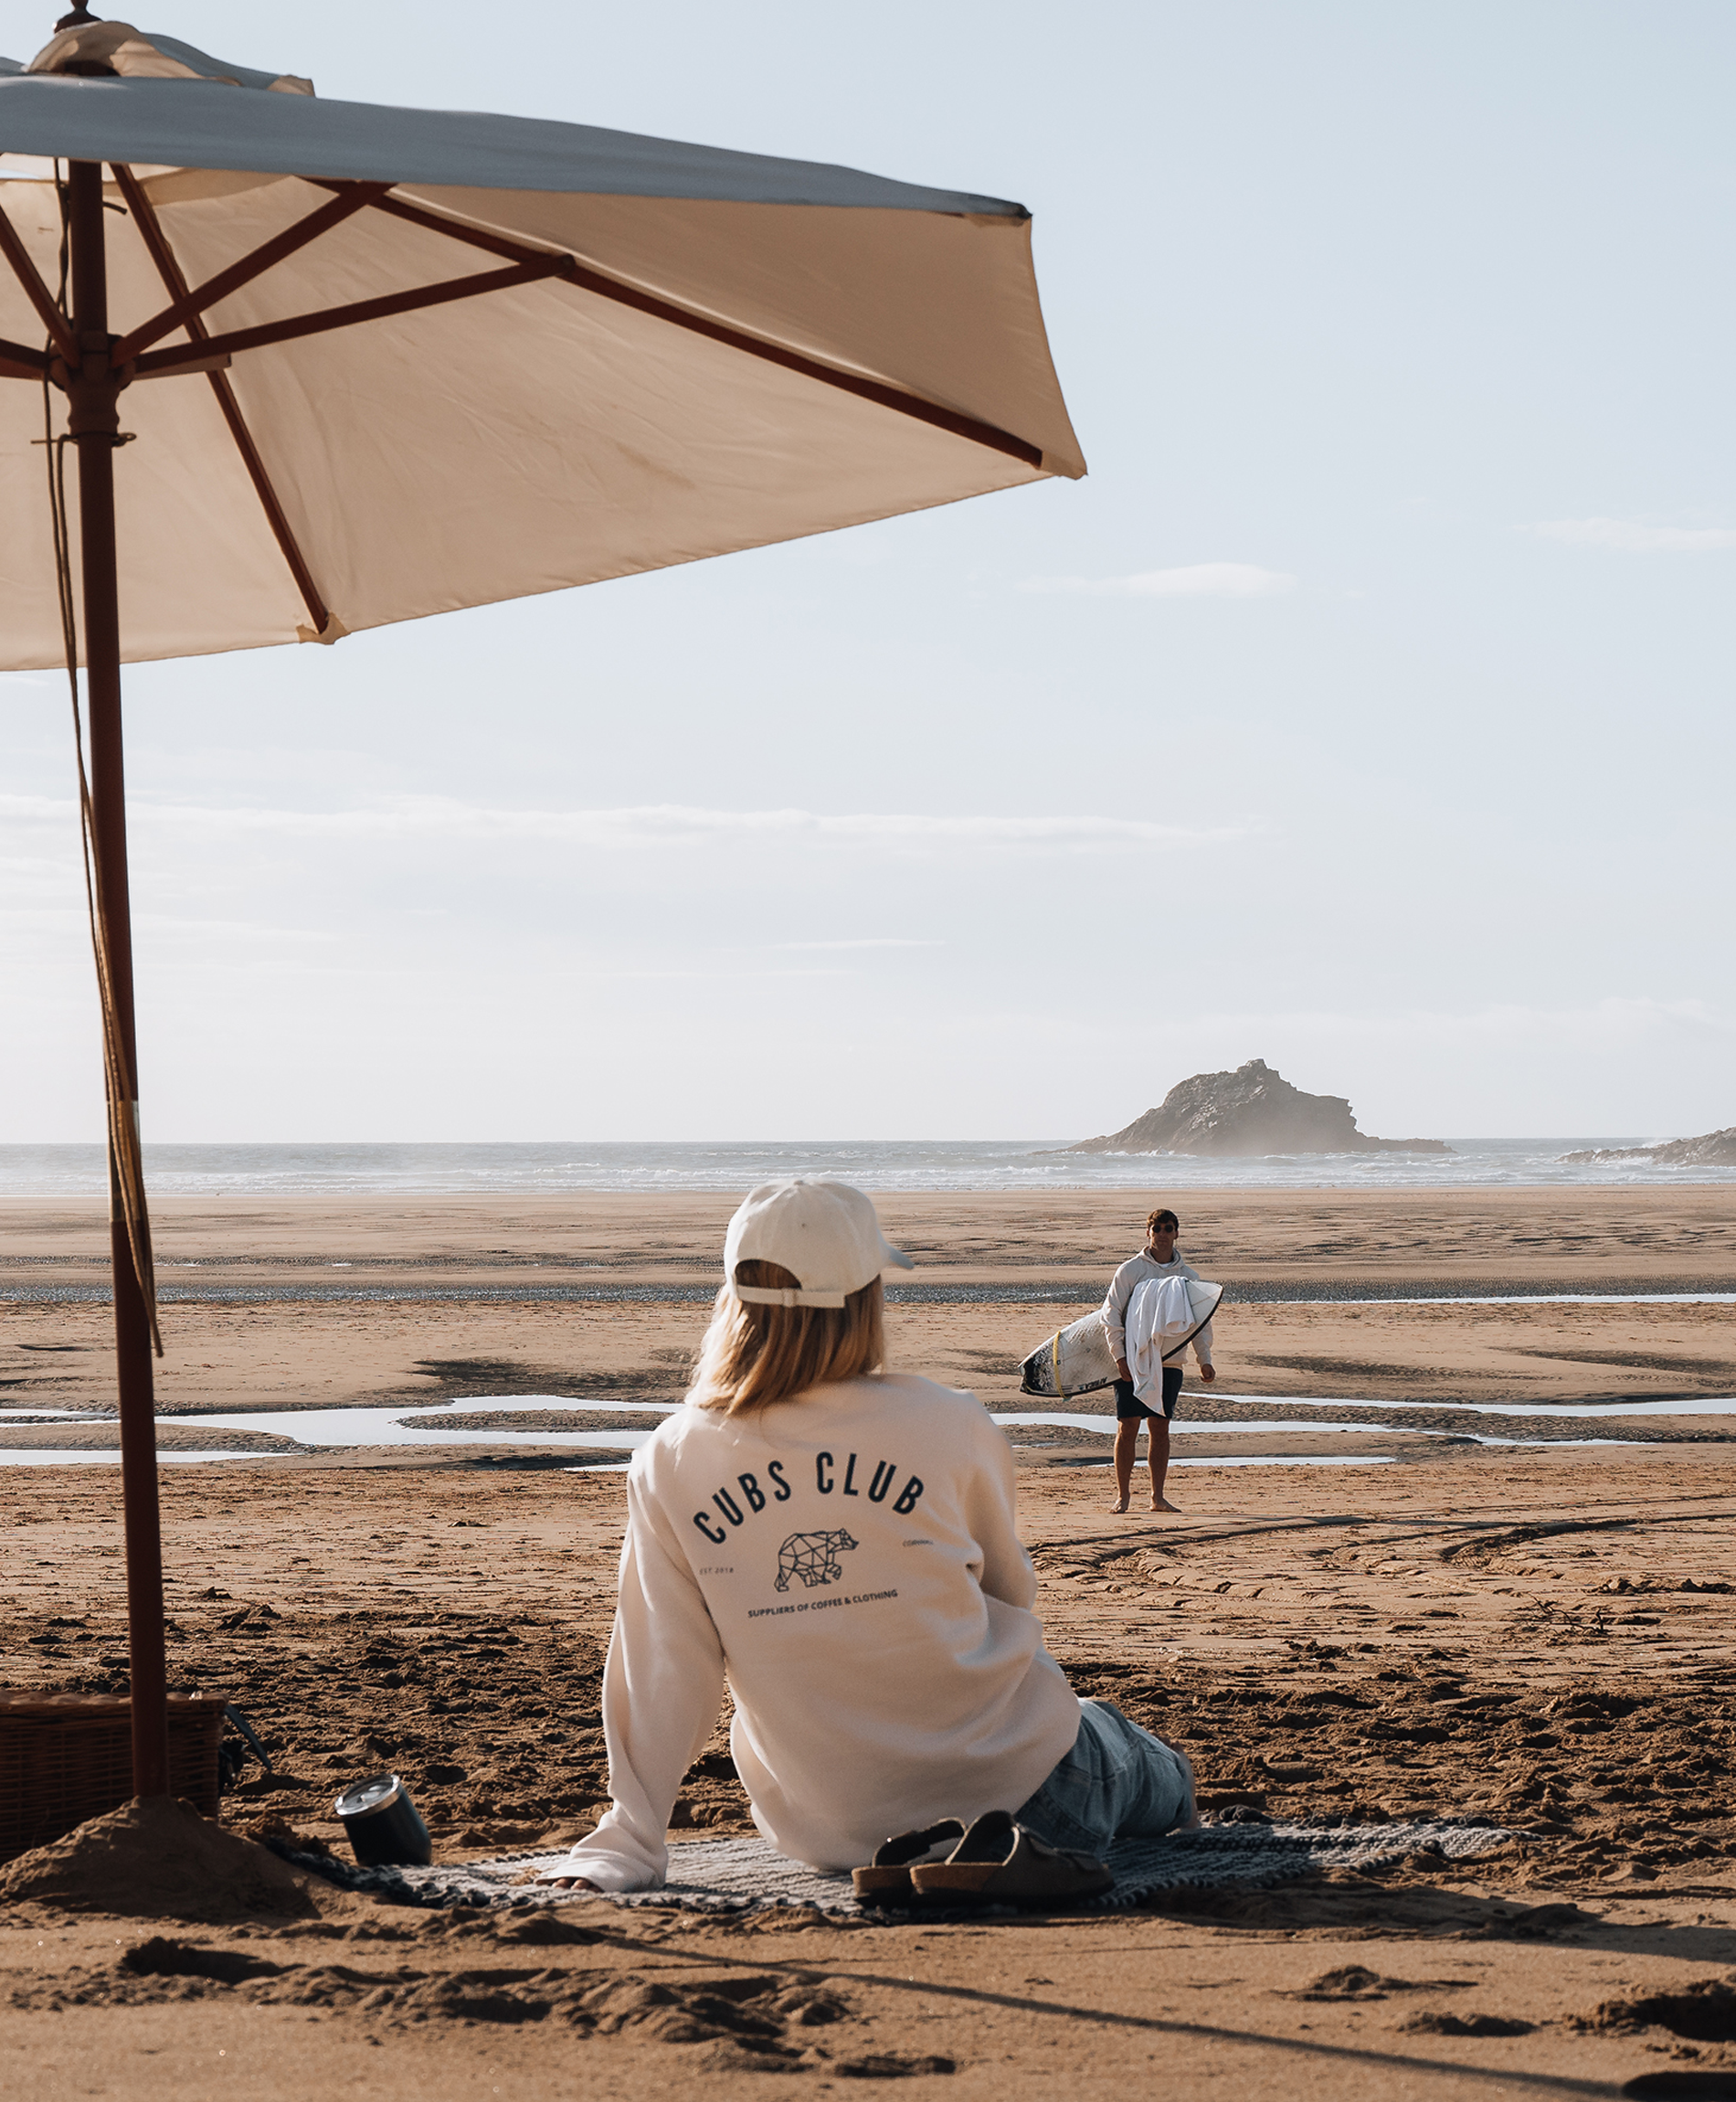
{"x": 1136, "y": 598}
{"x": 1540, "y": 1636}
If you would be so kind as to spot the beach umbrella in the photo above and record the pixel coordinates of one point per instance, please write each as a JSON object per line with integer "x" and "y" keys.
{"x": 325, "y": 366}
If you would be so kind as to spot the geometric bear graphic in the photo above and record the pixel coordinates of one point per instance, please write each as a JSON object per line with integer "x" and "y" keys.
{"x": 812, "y": 1556}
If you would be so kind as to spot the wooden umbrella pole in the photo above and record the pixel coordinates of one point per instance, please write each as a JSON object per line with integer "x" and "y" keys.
{"x": 93, "y": 392}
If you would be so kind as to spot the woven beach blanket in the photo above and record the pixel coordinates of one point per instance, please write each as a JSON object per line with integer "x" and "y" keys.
{"x": 736, "y": 1875}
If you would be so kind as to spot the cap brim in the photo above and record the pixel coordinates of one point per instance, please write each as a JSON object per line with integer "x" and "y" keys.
{"x": 897, "y": 1259}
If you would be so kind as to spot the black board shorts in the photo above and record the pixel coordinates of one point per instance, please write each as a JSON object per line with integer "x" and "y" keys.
{"x": 1128, "y": 1405}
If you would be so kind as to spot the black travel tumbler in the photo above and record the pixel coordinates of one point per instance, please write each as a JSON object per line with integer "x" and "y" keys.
{"x": 384, "y": 1826}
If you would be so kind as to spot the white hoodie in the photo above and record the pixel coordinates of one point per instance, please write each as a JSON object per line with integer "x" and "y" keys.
{"x": 849, "y": 1559}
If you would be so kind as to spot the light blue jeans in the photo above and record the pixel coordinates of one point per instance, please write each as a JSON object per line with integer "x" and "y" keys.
{"x": 1116, "y": 1779}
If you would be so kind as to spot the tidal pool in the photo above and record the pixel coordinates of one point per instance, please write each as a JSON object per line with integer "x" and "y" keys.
{"x": 417, "y": 1424}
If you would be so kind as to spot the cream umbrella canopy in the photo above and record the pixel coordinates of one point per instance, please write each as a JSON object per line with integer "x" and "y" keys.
{"x": 376, "y": 363}
{"x": 480, "y": 356}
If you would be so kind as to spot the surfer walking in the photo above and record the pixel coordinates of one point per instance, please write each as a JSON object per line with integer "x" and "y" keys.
{"x": 1154, "y": 1262}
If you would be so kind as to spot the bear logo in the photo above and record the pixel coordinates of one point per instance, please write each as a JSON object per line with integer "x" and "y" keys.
{"x": 812, "y": 1556}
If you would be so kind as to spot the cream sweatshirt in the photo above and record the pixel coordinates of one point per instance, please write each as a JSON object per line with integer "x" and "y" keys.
{"x": 850, "y": 1561}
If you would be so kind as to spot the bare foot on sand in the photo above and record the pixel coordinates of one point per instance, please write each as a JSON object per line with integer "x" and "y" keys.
{"x": 1121, "y": 1503}
{"x": 1163, "y": 1503}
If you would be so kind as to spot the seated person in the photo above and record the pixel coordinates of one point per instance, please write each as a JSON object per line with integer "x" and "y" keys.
{"x": 839, "y": 1542}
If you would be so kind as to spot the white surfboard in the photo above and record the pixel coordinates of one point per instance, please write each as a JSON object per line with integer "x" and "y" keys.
{"x": 1076, "y": 1360}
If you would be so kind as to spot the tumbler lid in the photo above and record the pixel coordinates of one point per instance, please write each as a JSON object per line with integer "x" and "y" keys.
{"x": 374, "y": 1794}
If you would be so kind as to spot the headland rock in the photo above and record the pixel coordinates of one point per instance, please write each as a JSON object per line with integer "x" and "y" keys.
{"x": 1711, "y": 1150}
{"x": 1251, "y": 1112}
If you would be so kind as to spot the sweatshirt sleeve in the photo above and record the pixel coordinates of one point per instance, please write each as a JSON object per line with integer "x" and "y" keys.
{"x": 1115, "y": 1311}
{"x": 990, "y": 1505}
{"x": 663, "y": 1687}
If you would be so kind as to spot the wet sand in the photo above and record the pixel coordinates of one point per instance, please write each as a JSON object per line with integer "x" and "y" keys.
{"x": 1585, "y": 1361}
{"x": 1335, "y": 1241}
{"x": 1547, "y": 1638}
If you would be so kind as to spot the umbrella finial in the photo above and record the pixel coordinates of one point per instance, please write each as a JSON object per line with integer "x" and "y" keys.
{"x": 79, "y": 15}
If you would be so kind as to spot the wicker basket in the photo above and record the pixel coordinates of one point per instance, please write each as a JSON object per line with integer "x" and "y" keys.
{"x": 65, "y": 1757}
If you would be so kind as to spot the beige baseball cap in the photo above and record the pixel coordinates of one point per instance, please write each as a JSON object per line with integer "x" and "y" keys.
{"x": 822, "y": 1231}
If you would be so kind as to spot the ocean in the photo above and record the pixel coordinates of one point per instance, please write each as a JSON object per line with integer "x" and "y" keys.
{"x": 1023, "y": 1164}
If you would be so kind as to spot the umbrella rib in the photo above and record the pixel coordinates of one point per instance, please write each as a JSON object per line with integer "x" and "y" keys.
{"x": 180, "y": 358}
{"x": 474, "y": 236}
{"x": 174, "y": 283}
{"x": 874, "y": 390}
{"x": 354, "y": 198}
{"x": 594, "y": 281}
{"x": 318, "y": 611}
{"x": 18, "y": 361}
{"x": 59, "y": 329}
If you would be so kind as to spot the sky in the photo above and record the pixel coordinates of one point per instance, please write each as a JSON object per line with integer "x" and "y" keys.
{"x": 1366, "y": 710}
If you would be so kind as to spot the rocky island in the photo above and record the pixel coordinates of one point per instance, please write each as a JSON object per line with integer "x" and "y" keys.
{"x": 1251, "y": 1112}
{"x": 1711, "y": 1150}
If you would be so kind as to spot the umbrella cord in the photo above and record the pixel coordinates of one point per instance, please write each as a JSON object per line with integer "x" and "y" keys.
{"x": 124, "y": 1148}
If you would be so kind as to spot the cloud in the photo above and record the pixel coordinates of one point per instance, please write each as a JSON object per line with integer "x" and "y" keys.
{"x": 1197, "y": 581}
{"x": 1633, "y": 536}
{"x": 727, "y": 974}
{"x": 37, "y": 809}
{"x": 168, "y": 929}
{"x": 870, "y": 941}
{"x": 445, "y": 819}
{"x": 1614, "y": 1017}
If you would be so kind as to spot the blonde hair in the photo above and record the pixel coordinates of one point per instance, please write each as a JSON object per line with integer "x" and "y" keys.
{"x": 754, "y": 1355}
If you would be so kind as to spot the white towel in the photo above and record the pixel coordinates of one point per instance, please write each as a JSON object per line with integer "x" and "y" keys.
{"x": 1158, "y": 1313}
